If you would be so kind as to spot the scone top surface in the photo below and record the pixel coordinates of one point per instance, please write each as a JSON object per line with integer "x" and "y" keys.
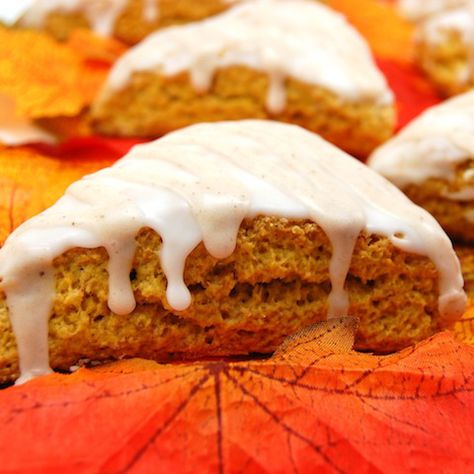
{"x": 458, "y": 19}
{"x": 284, "y": 38}
{"x": 197, "y": 185}
{"x": 431, "y": 146}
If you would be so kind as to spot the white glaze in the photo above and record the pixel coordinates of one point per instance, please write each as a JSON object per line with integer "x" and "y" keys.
{"x": 431, "y": 146}
{"x": 417, "y": 10}
{"x": 11, "y": 12}
{"x": 16, "y": 129}
{"x": 100, "y": 14}
{"x": 459, "y": 20}
{"x": 197, "y": 184}
{"x": 301, "y": 39}
{"x": 439, "y": 29}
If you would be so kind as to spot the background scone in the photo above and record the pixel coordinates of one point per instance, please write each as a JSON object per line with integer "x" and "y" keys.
{"x": 445, "y": 48}
{"x": 221, "y": 239}
{"x": 291, "y": 60}
{"x": 432, "y": 161}
{"x": 128, "y": 20}
{"x": 418, "y": 10}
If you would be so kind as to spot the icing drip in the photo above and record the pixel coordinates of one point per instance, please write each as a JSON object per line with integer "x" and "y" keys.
{"x": 283, "y": 38}
{"x": 16, "y": 129}
{"x": 431, "y": 146}
{"x": 100, "y": 14}
{"x": 198, "y": 184}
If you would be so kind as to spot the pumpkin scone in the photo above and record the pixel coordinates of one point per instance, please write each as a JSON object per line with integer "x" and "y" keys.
{"x": 432, "y": 161}
{"x": 419, "y": 10}
{"x": 128, "y": 20}
{"x": 445, "y": 48}
{"x": 444, "y": 41}
{"x": 217, "y": 240}
{"x": 296, "y": 61}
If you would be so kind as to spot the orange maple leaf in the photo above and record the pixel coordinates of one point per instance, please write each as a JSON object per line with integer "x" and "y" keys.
{"x": 40, "y": 74}
{"x": 31, "y": 181}
{"x": 315, "y": 406}
{"x": 50, "y": 79}
{"x": 97, "y": 55}
{"x": 389, "y": 35}
{"x": 464, "y": 328}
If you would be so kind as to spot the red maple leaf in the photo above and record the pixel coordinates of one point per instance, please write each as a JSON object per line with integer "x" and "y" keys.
{"x": 315, "y": 406}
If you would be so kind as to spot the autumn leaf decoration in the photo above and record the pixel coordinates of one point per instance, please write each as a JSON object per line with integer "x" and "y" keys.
{"x": 39, "y": 74}
{"x": 54, "y": 82}
{"x": 315, "y": 406}
{"x": 31, "y": 181}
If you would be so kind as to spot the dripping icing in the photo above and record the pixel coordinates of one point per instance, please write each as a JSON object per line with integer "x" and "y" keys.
{"x": 175, "y": 186}
{"x": 287, "y": 38}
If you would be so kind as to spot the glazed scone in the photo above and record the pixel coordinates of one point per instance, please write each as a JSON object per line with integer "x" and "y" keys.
{"x": 445, "y": 49}
{"x": 128, "y": 20}
{"x": 295, "y": 61}
{"x": 432, "y": 161}
{"x": 217, "y": 240}
{"x": 419, "y": 10}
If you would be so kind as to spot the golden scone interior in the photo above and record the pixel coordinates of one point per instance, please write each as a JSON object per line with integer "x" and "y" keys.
{"x": 153, "y": 105}
{"x": 275, "y": 282}
{"x": 222, "y": 239}
{"x": 295, "y": 61}
{"x": 432, "y": 161}
{"x": 450, "y": 201}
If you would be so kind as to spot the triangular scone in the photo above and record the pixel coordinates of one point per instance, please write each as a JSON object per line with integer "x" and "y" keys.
{"x": 128, "y": 20}
{"x": 446, "y": 49}
{"x": 432, "y": 161}
{"x": 291, "y": 60}
{"x": 419, "y": 10}
{"x": 222, "y": 239}
{"x": 445, "y": 44}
